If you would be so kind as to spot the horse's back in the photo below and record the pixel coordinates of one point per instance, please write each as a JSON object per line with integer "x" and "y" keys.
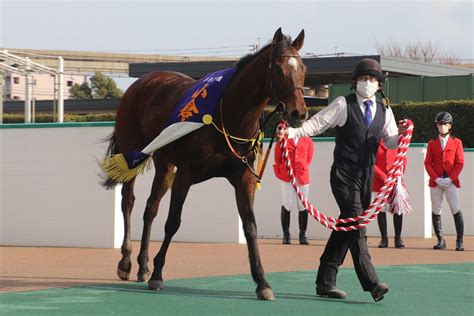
{"x": 146, "y": 106}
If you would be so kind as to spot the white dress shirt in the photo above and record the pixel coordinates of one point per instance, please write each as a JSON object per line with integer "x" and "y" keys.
{"x": 443, "y": 140}
{"x": 335, "y": 114}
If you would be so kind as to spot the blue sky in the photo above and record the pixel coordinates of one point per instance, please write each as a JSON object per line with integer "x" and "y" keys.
{"x": 230, "y": 28}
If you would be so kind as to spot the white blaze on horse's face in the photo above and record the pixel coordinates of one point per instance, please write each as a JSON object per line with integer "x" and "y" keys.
{"x": 293, "y": 62}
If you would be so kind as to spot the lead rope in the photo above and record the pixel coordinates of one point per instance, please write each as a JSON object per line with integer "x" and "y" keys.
{"x": 379, "y": 201}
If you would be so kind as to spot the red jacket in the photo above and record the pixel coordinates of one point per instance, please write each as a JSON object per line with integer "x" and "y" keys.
{"x": 384, "y": 160}
{"x": 450, "y": 160}
{"x": 301, "y": 156}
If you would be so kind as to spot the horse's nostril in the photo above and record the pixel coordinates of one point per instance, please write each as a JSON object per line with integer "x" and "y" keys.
{"x": 295, "y": 115}
{"x": 304, "y": 115}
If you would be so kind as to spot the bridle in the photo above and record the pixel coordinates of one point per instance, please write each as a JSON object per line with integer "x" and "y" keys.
{"x": 276, "y": 95}
{"x": 280, "y": 108}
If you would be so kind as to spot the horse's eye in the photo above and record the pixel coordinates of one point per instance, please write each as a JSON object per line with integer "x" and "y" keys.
{"x": 278, "y": 71}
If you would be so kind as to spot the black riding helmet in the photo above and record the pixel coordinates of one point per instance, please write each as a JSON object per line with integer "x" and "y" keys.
{"x": 368, "y": 66}
{"x": 444, "y": 117}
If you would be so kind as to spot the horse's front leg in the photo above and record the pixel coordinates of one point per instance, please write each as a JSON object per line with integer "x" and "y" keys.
{"x": 245, "y": 192}
{"x": 128, "y": 199}
{"x": 158, "y": 190}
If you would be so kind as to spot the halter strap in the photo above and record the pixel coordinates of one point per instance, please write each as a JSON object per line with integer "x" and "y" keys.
{"x": 258, "y": 174}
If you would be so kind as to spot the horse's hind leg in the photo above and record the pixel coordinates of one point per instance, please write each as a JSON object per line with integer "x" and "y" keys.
{"x": 180, "y": 190}
{"x": 158, "y": 190}
{"x": 128, "y": 199}
{"x": 244, "y": 192}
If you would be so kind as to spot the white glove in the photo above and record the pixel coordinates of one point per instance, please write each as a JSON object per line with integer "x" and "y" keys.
{"x": 439, "y": 182}
{"x": 447, "y": 181}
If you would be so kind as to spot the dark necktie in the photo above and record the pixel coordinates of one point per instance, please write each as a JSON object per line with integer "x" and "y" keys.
{"x": 368, "y": 112}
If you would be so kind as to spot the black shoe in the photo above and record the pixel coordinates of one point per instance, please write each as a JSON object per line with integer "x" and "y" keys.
{"x": 459, "y": 245}
{"x": 286, "y": 240}
{"x": 399, "y": 243}
{"x": 383, "y": 243}
{"x": 440, "y": 245}
{"x": 379, "y": 291}
{"x": 303, "y": 240}
{"x": 331, "y": 292}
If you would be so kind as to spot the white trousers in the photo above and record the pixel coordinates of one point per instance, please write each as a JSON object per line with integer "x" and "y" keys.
{"x": 289, "y": 196}
{"x": 452, "y": 196}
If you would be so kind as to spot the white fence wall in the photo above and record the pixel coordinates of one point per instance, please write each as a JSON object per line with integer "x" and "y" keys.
{"x": 49, "y": 195}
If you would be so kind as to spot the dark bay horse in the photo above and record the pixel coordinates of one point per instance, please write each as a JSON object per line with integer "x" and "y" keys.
{"x": 275, "y": 71}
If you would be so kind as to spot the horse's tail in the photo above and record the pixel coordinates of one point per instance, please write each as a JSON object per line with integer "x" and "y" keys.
{"x": 107, "y": 181}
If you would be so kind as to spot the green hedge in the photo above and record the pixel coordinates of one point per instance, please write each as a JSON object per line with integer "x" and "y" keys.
{"x": 422, "y": 114}
{"x": 48, "y": 118}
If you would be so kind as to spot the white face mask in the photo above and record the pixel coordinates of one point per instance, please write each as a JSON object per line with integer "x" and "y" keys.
{"x": 367, "y": 89}
{"x": 443, "y": 129}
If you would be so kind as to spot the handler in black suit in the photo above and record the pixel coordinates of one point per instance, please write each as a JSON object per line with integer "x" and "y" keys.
{"x": 360, "y": 121}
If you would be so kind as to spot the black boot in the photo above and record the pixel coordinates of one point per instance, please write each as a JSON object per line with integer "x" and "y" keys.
{"x": 303, "y": 221}
{"x": 382, "y": 221}
{"x": 397, "y": 224}
{"x": 459, "y": 223}
{"x": 285, "y": 225}
{"x": 438, "y": 231}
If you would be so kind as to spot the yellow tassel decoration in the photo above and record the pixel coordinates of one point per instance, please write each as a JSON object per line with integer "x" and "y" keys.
{"x": 117, "y": 169}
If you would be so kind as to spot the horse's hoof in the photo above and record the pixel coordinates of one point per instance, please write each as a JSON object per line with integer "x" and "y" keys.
{"x": 155, "y": 285}
{"x": 265, "y": 294}
{"x": 143, "y": 276}
{"x": 123, "y": 275}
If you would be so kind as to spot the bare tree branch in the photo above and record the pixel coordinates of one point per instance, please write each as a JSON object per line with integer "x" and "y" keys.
{"x": 423, "y": 51}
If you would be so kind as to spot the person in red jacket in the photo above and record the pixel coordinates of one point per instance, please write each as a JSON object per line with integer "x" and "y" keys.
{"x": 384, "y": 160}
{"x": 301, "y": 154}
{"x": 443, "y": 163}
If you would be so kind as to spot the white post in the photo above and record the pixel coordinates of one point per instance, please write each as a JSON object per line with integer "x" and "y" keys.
{"x": 61, "y": 90}
{"x": 27, "y": 92}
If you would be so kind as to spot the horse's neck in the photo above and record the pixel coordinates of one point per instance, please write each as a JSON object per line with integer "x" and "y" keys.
{"x": 247, "y": 97}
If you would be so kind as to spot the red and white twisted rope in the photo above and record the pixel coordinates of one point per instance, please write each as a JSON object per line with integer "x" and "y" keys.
{"x": 379, "y": 201}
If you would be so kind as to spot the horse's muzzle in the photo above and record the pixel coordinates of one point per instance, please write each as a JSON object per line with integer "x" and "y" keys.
{"x": 296, "y": 118}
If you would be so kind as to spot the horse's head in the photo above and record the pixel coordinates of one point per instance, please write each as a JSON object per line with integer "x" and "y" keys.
{"x": 286, "y": 77}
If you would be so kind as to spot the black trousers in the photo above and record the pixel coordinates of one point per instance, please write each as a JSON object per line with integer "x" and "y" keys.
{"x": 353, "y": 195}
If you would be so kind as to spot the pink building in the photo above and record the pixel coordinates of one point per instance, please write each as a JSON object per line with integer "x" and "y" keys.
{"x": 42, "y": 86}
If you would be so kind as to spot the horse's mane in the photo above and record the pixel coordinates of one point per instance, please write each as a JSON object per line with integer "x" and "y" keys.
{"x": 247, "y": 59}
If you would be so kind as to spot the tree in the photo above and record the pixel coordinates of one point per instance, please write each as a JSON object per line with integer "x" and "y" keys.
{"x": 424, "y": 51}
{"x": 82, "y": 91}
{"x": 104, "y": 87}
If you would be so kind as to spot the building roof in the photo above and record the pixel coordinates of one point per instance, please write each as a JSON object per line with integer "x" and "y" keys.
{"x": 320, "y": 71}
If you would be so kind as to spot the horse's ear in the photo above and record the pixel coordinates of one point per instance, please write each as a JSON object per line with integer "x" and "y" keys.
{"x": 298, "y": 42}
{"x": 278, "y": 35}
